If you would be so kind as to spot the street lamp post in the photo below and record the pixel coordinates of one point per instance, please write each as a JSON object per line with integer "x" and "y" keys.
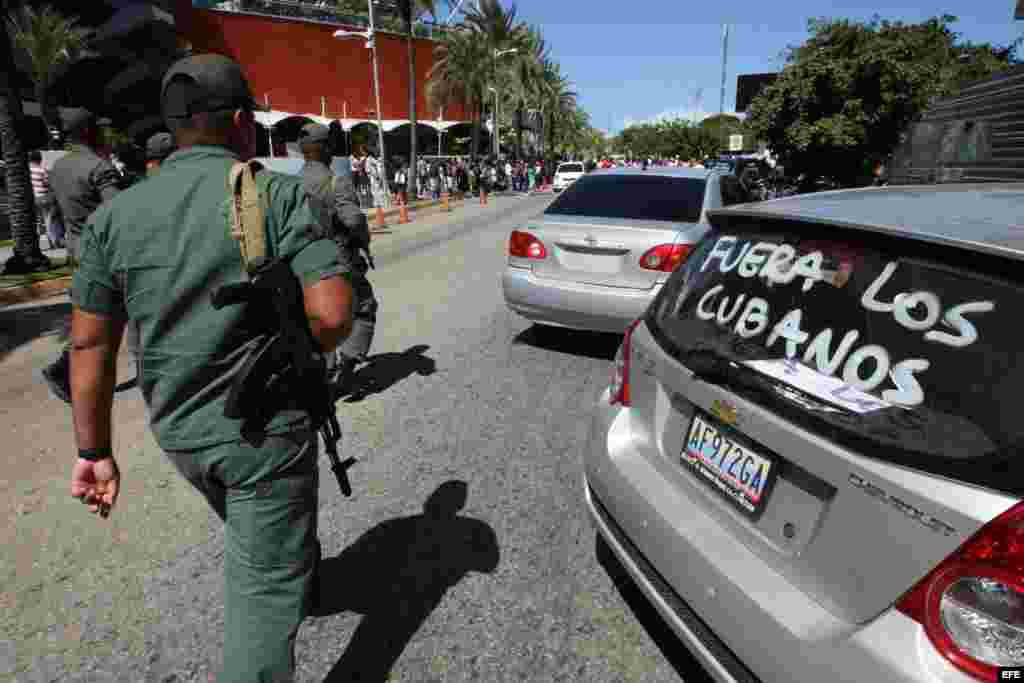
{"x": 371, "y": 43}
{"x": 497, "y": 140}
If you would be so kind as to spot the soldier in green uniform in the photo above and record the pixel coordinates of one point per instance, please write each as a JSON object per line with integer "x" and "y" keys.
{"x": 81, "y": 180}
{"x": 153, "y": 256}
{"x": 335, "y": 196}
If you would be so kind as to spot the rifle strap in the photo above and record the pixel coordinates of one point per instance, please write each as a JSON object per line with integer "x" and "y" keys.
{"x": 247, "y": 216}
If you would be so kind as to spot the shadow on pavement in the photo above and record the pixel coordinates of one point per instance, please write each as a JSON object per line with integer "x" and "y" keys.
{"x": 22, "y": 325}
{"x": 600, "y": 345}
{"x": 397, "y": 573}
{"x": 383, "y": 370}
{"x": 688, "y": 668}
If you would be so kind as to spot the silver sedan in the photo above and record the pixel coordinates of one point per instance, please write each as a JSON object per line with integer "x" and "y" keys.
{"x": 602, "y": 250}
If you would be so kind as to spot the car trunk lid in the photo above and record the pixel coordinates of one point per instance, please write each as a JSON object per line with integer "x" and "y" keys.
{"x": 875, "y": 474}
{"x": 604, "y": 251}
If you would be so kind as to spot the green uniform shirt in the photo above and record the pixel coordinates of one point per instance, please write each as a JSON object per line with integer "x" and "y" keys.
{"x": 154, "y": 255}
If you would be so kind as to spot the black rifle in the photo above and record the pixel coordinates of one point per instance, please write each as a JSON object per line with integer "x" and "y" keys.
{"x": 288, "y": 366}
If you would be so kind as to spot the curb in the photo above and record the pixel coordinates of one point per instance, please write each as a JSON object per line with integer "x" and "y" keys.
{"x": 37, "y": 290}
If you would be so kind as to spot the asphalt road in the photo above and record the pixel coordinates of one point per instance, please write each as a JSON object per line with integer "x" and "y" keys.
{"x": 471, "y": 407}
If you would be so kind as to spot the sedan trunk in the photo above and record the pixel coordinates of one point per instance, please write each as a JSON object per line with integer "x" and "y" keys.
{"x": 602, "y": 251}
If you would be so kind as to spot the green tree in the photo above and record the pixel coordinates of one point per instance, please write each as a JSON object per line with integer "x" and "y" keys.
{"x": 51, "y": 41}
{"x": 459, "y": 76}
{"x": 21, "y": 208}
{"x": 557, "y": 105}
{"x": 848, "y": 92}
{"x": 500, "y": 33}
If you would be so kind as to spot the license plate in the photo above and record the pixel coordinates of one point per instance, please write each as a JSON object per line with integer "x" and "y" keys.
{"x": 739, "y": 472}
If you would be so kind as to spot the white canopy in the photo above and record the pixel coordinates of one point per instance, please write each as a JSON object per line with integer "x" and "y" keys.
{"x": 274, "y": 117}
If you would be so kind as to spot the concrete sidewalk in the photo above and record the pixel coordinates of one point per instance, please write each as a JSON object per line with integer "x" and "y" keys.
{"x": 425, "y": 216}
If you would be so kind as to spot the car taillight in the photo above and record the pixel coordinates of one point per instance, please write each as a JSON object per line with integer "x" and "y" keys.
{"x": 619, "y": 386}
{"x": 972, "y": 605}
{"x": 526, "y": 245}
{"x": 665, "y": 257}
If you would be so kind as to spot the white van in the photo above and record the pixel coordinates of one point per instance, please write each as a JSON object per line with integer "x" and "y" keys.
{"x": 566, "y": 174}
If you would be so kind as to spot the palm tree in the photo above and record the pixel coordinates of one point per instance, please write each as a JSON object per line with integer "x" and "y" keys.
{"x": 525, "y": 88}
{"x": 500, "y": 31}
{"x": 21, "y": 207}
{"x": 558, "y": 103}
{"x": 459, "y": 76}
{"x": 409, "y": 12}
{"x": 51, "y": 41}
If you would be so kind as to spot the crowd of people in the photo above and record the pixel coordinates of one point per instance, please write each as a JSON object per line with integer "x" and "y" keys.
{"x": 453, "y": 175}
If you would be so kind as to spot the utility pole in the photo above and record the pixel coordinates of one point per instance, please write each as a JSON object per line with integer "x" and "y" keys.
{"x": 725, "y": 57}
{"x": 721, "y": 99}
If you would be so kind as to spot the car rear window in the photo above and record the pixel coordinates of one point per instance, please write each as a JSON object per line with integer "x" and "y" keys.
{"x": 898, "y": 349}
{"x": 634, "y": 197}
{"x": 570, "y": 168}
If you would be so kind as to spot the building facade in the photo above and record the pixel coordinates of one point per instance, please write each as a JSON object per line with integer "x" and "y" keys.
{"x": 296, "y": 67}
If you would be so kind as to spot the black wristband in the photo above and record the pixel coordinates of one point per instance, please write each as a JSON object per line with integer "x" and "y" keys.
{"x": 94, "y": 454}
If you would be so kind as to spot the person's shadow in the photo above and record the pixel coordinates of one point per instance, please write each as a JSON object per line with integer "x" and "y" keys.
{"x": 384, "y": 370}
{"x": 397, "y": 573}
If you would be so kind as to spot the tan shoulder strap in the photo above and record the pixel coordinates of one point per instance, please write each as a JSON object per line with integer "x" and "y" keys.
{"x": 247, "y": 218}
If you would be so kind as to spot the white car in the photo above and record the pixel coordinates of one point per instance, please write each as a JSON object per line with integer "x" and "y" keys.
{"x": 567, "y": 174}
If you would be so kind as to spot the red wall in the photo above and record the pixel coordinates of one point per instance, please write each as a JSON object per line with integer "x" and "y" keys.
{"x": 297, "y": 62}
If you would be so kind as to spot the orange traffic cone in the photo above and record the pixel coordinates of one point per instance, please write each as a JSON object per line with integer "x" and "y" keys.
{"x": 380, "y": 218}
{"x": 403, "y": 210}
{"x": 445, "y": 206}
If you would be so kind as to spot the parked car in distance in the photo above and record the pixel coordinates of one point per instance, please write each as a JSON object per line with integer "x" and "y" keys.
{"x": 601, "y": 251}
{"x": 809, "y": 455}
{"x": 566, "y": 174}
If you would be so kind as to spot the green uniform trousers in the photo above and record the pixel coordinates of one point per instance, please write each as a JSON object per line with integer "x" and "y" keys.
{"x": 267, "y": 499}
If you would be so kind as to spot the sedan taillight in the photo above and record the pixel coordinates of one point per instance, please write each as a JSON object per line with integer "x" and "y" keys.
{"x": 525, "y": 245}
{"x": 619, "y": 386}
{"x": 972, "y": 605}
{"x": 665, "y": 257}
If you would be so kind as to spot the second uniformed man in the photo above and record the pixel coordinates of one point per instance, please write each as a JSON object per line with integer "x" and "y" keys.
{"x": 335, "y": 195}
{"x": 81, "y": 180}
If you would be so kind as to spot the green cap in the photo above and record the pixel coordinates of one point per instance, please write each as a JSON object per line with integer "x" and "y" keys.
{"x": 204, "y": 83}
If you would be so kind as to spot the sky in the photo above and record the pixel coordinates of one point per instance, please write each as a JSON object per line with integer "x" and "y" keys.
{"x": 635, "y": 61}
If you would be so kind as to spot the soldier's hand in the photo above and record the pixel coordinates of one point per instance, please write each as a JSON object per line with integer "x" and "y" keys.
{"x": 96, "y": 484}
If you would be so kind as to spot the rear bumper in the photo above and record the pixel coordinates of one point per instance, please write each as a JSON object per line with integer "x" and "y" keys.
{"x": 697, "y": 576}
{"x": 573, "y": 304}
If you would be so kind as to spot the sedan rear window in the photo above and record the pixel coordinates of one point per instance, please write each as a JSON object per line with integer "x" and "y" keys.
{"x": 570, "y": 168}
{"x": 895, "y": 348}
{"x": 632, "y": 197}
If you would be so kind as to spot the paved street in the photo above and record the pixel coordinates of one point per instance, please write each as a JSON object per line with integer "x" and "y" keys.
{"x": 462, "y": 399}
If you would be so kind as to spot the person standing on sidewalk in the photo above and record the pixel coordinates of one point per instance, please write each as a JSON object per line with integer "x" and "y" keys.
{"x": 335, "y": 198}
{"x": 46, "y": 206}
{"x": 81, "y": 180}
{"x": 154, "y": 255}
